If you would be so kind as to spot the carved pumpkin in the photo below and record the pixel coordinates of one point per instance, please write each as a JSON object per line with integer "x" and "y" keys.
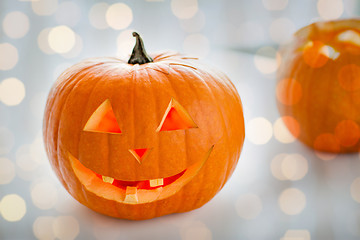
{"x": 146, "y": 138}
{"x": 318, "y": 89}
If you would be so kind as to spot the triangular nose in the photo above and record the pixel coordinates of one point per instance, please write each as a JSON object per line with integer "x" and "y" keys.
{"x": 139, "y": 153}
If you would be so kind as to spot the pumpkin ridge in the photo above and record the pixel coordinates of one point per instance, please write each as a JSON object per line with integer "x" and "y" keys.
{"x": 72, "y": 79}
{"x": 58, "y": 140}
{"x": 132, "y": 128}
{"x": 220, "y": 113}
{"x": 186, "y": 146}
{"x": 156, "y": 145}
{"x": 50, "y": 104}
{"x": 155, "y": 208}
{"x": 172, "y": 90}
{"x": 229, "y": 87}
{"x": 86, "y": 109}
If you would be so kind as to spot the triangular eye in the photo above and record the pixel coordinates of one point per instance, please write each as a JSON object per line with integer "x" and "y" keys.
{"x": 103, "y": 120}
{"x": 176, "y": 118}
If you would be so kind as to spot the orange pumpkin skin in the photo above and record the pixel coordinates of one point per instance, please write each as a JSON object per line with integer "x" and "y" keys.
{"x": 318, "y": 86}
{"x": 139, "y": 96}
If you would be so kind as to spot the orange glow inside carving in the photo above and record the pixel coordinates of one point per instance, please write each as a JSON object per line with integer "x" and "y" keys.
{"x": 315, "y": 54}
{"x": 176, "y": 118}
{"x": 350, "y": 37}
{"x": 103, "y": 120}
{"x": 146, "y": 184}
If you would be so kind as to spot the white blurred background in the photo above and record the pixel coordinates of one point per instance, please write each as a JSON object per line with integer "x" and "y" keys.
{"x": 280, "y": 189}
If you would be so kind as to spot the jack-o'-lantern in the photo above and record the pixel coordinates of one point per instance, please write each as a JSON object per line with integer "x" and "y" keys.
{"x": 144, "y": 138}
{"x": 318, "y": 89}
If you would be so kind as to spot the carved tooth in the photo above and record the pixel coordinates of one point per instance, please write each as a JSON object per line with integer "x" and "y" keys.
{"x": 108, "y": 179}
{"x": 156, "y": 182}
{"x": 131, "y": 195}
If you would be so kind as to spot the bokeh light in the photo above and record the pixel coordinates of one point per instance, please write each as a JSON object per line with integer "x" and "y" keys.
{"x": 347, "y": 132}
{"x": 184, "y": 9}
{"x": 76, "y": 49}
{"x": 296, "y": 234}
{"x": 43, "y": 41}
{"x": 16, "y": 24}
{"x": 8, "y": 57}
{"x": 44, "y": 7}
{"x": 294, "y": 167}
{"x": 196, "y": 230}
{"x": 43, "y": 227}
{"x": 12, "y": 207}
{"x": 125, "y": 43}
{"x": 12, "y": 91}
{"x": 289, "y": 166}
{"x": 66, "y": 227}
{"x": 288, "y": 91}
{"x": 267, "y": 60}
{"x": 259, "y": 131}
{"x": 197, "y": 45}
{"x": 275, "y": 5}
{"x": 97, "y": 15}
{"x": 119, "y": 16}
{"x": 7, "y": 171}
{"x": 248, "y": 206}
{"x": 292, "y": 201}
{"x": 286, "y": 129}
{"x": 276, "y": 164}
{"x": 44, "y": 195}
{"x": 327, "y": 142}
{"x": 355, "y": 189}
{"x": 325, "y": 155}
{"x": 61, "y": 39}
{"x": 330, "y": 9}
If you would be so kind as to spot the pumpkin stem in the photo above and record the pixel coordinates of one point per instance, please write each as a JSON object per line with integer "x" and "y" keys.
{"x": 139, "y": 55}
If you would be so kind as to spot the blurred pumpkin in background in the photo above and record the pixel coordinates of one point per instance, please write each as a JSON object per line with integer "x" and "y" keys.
{"x": 318, "y": 85}
{"x": 144, "y": 138}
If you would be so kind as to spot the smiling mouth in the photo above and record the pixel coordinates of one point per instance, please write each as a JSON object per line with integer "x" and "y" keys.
{"x": 135, "y": 192}
{"x": 146, "y": 184}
